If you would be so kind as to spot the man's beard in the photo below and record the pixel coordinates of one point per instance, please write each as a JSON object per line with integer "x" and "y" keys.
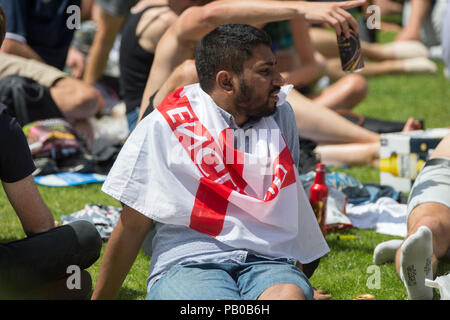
{"x": 254, "y": 112}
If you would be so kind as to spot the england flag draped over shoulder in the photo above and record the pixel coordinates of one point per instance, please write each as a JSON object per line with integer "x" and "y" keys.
{"x": 180, "y": 166}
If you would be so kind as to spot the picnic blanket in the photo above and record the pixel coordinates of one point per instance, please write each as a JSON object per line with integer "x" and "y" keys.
{"x": 104, "y": 218}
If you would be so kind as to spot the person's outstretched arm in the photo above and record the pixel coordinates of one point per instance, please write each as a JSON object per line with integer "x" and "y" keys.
{"x": 120, "y": 253}
{"x": 179, "y": 41}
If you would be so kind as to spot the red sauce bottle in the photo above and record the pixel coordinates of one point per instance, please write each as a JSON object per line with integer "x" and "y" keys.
{"x": 318, "y": 195}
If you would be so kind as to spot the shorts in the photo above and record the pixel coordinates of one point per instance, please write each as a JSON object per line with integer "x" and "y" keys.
{"x": 40, "y": 72}
{"x": 432, "y": 184}
{"x": 117, "y": 7}
{"x": 227, "y": 281}
{"x": 133, "y": 116}
{"x": 431, "y": 30}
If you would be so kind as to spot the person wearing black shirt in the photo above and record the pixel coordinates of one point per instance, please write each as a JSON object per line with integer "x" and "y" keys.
{"x": 39, "y": 265}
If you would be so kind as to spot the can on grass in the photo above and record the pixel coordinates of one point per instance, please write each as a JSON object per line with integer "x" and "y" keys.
{"x": 350, "y": 52}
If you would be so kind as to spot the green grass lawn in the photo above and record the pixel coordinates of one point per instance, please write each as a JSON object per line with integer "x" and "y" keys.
{"x": 344, "y": 271}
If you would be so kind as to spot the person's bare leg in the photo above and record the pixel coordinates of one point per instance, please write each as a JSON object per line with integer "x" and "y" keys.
{"x": 282, "y": 291}
{"x": 325, "y": 42}
{"x": 108, "y": 27}
{"x": 436, "y": 217}
{"x": 319, "y": 123}
{"x": 346, "y": 93}
{"x": 76, "y": 99}
{"x": 428, "y": 225}
{"x": 413, "y": 252}
{"x": 349, "y": 154}
{"x": 419, "y": 10}
{"x": 371, "y": 69}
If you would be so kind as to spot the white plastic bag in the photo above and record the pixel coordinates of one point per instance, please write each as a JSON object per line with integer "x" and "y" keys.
{"x": 442, "y": 283}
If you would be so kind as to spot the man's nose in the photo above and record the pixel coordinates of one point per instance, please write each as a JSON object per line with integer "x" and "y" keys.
{"x": 278, "y": 80}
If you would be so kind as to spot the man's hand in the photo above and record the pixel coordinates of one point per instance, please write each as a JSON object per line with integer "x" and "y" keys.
{"x": 321, "y": 295}
{"x": 75, "y": 61}
{"x": 333, "y": 13}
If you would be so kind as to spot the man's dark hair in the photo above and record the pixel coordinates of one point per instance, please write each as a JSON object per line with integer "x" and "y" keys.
{"x": 2, "y": 25}
{"x": 226, "y": 48}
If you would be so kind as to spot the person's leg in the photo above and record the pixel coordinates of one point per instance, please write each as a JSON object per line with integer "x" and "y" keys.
{"x": 326, "y": 43}
{"x": 319, "y": 123}
{"x": 427, "y": 241}
{"x": 376, "y": 68}
{"x": 78, "y": 102}
{"x": 196, "y": 281}
{"x": 349, "y": 154}
{"x": 76, "y": 99}
{"x": 436, "y": 217}
{"x": 273, "y": 280}
{"x": 282, "y": 291}
{"x": 31, "y": 263}
{"x": 428, "y": 236}
{"x": 416, "y": 11}
{"x": 108, "y": 27}
{"x": 346, "y": 93}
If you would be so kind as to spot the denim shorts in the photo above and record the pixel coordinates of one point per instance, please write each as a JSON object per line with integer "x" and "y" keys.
{"x": 132, "y": 118}
{"x": 226, "y": 281}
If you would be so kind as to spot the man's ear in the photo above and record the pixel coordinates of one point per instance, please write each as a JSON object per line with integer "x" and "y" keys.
{"x": 224, "y": 81}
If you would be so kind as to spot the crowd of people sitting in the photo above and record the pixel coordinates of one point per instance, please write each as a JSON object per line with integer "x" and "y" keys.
{"x": 235, "y": 57}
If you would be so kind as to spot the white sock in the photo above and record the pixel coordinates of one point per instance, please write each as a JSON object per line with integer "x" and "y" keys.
{"x": 385, "y": 251}
{"x": 406, "y": 49}
{"x": 415, "y": 264}
{"x": 419, "y": 65}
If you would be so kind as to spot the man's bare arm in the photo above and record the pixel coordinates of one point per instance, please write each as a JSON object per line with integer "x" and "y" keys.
{"x": 178, "y": 43}
{"x": 21, "y": 49}
{"x": 121, "y": 252}
{"x": 33, "y": 213}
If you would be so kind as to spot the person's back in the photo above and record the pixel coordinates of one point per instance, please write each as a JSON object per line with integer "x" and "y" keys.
{"x": 140, "y": 35}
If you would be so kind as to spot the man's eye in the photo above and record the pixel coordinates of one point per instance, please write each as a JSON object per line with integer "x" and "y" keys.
{"x": 265, "y": 71}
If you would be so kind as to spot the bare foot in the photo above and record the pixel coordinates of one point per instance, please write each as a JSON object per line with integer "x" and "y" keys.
{"x": 411, "y": 125}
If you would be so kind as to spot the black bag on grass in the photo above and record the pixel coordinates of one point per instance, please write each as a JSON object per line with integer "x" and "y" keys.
{"x": 27, "y": 100}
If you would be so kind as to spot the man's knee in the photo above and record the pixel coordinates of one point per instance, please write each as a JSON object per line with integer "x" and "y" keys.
{"x": 76, "y": 99}
{"x": 357, "y": 84}
{"x": 283, "y": 291}
{"x": 89, "y": 242}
